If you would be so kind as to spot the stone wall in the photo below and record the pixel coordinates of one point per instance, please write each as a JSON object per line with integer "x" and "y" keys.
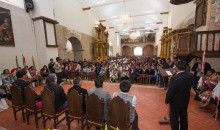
{"x": 134, "y": 45}
{"x": 64, "y": 34}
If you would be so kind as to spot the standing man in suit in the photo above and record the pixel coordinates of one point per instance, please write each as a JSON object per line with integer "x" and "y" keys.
{"x": 133, "y": 74}
{"x": 77, "y": 86}
{"x": 101, "y": 94}
{"x": 50, "y": 66}
{"x": 178, "y": 96}
{"x": 164, "y": 81}
{"x": 198, "y": 73}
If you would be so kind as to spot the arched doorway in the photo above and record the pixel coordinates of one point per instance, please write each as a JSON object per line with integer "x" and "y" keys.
{"x": 126, "y": 51}
{"x": 148, "y": 50}
{"x": 73, "y": 49}
{"x": 138, "y": 51}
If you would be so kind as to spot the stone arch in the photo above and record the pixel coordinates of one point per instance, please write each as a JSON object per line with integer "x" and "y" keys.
{"x": 65, "y": 35}
{"x": 126, "y": 51}
{"x": 148, "y": 50}
{"x": 76, "y": 53}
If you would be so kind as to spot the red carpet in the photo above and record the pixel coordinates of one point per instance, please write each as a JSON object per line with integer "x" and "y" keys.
{"x": 151, "y": 108}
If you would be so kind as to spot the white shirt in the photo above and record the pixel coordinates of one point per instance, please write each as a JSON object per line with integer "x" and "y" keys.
{"x": 29, "y": 75}
{"x": 134, "y": 100}
{"x": 199, "y": 73}
{"x": 179, "y": 72}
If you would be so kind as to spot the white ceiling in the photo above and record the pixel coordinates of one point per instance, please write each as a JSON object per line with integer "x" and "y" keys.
{"x": 112, "y": 10}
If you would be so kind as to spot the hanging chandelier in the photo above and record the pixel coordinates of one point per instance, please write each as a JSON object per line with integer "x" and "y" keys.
{"x": 133, "y": 36}
{"x": 125, "y": 19}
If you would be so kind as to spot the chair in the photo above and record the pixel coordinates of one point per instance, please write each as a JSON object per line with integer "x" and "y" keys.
{"x": 119, "y": 114}
{"x": 92, "y": 76}
{"x": 17, "y": 101}
{"x": 48, "y": 108}
{"x": 152, "y": 76}
{"x": 85, "y": 75}
{"x": 95, "y": 112}
{"x": 75, "y": 108}
{"x": 30, "y": 104}
{"x": 143, "y": 78}
{"x": 72, "y": 75}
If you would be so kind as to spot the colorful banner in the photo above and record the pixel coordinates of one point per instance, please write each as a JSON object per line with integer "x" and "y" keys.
{"x": 17, "y": 62}
{"x": 24, "y": 61}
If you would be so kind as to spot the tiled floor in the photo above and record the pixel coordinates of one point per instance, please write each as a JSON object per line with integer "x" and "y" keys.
{"x": 150, "y": 108}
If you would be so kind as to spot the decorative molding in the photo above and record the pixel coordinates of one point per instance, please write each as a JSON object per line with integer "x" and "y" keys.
{"x": 45, "y": 32}
{"x": 45, "y": 19}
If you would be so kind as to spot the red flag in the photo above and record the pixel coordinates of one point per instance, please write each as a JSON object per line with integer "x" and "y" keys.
{"x": 24, "y": 61}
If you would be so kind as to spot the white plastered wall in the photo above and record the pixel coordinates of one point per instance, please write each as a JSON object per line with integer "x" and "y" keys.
{"x": 70, "y": 14}
{"x": 114, "y": 38}
{"x": 177, "y": 14}
{"x": 24, "y": 38}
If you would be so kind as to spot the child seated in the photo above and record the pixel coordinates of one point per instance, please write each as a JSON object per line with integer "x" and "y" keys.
{"x": 125, "y": 86}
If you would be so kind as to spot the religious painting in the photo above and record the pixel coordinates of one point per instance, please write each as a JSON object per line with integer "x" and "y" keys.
{"x": 214, "y": 24}
{"x": 201, "y": 13}
{"x": 215, "y": 15}
{"x": 6, "y": 31}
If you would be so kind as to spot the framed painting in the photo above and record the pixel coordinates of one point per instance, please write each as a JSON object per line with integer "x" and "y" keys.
{"x": 201, "y": 13}
{"x": 6, "y": 30}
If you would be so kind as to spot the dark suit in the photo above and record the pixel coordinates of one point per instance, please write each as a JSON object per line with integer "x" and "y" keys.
{"x": 140, "y": 71}
{"x": 149, "y": 71}
{"x": 84, "y": 93}
{"x": 164, "y": 81}
{"x": 195, "y": 66}
{"x": 60, "y": 96}
{"x": 133, "y": 75}
{"x": 178, "y": 96}
{"x": 50, "y": 67}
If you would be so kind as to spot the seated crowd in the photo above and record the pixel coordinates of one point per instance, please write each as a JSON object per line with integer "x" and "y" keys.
{"x": 61, "y": 96}
{"x": 124, "y": 69}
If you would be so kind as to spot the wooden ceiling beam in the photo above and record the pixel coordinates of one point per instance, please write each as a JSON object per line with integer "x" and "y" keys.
{"x": 104, "y": 4}
{"x": 137, "y": 15}
{"x": 164, "y": 13}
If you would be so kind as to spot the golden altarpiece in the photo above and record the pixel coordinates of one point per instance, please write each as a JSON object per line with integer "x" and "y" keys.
{"x": 101, "y": 44}
{"x": 166, "y": 41}
{"x": 183, "y": 41}
{"x": 179, "y": 42}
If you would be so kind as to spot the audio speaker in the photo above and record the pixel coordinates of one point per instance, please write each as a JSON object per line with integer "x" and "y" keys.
{"x": 29, "y": 5}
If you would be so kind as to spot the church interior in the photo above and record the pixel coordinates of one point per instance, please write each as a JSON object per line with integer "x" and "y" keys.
{"x": 88, "y": 45}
